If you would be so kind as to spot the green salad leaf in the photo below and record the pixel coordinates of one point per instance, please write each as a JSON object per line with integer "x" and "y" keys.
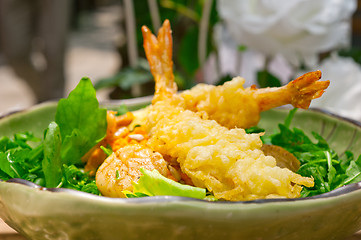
{"x": 52, "y": 163}
{"x": 82, "y": 123}
{"x": 152, "y": 183}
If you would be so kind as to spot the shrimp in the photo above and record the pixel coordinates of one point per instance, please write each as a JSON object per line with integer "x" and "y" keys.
{"x": 228, "y": 162}
{"x": 122, "y": 168}
{"x": 231, "y": 105}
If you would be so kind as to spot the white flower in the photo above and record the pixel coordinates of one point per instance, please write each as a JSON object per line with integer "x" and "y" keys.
{"x": 297, "y": 29}
{"x": 343, "y": 96}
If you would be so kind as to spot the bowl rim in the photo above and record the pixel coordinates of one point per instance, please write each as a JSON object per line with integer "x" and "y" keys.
{"x": 168, "y": 198}
{"x": 151, "y": 199}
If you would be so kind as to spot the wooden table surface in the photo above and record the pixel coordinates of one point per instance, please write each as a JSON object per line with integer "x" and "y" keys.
{"x": 7, "y": 233}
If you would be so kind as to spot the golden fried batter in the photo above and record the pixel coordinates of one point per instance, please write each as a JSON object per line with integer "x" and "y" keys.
{"x": 231, "y": 105}
{"x": 228, "y": 163}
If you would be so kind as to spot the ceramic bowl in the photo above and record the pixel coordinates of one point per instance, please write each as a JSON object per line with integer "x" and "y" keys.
{"x": 39, "y": 213}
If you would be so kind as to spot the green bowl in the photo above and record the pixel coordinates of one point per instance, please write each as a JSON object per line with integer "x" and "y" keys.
{"x": 39, "y": 213}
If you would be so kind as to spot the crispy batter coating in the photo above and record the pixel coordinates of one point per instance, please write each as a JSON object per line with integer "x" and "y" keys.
{"x": 230, "y": 104}
{"x": 228, "y": 163}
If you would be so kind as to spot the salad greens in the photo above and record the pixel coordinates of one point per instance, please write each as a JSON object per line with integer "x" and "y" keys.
{"x": 55, "y": 159}
{"x": 329, "y": 170}
{"x": 19, "y": 160}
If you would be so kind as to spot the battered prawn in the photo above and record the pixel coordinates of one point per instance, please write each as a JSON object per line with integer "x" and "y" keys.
{"x": 229, "y": 163}
{"x": 231, "y": 105}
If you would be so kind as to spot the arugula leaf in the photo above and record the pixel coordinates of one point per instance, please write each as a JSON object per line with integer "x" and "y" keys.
{"x": 76, "y": 178}
{"x": 82, "y": 123}
{"x": 19, "y": 140}
{"x": 9, "y": 166}
{"x": 152, "y": 183}
{"x": 52, "y": 160}
{"x": 254, "y": 129}
{"x": 353, "y": 172}
{"x": 6, "y": 143}
{"x": 18, "y": 159}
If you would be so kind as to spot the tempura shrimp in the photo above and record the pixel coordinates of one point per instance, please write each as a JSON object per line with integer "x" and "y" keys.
{"x": 231, "y": 105}
{"x": 229, "y": 163}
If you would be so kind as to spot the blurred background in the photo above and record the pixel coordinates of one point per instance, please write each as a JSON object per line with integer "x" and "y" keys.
{"x": 47, "y": 46}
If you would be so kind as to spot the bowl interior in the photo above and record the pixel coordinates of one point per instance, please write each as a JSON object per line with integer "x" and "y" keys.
{"x": 340, "y": 133}
{"x": 56, "y": 214}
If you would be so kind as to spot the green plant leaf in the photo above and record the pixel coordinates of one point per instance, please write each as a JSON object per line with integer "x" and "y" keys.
{"x": 187, "y": 55}
{"x": 82, "y": 123}
{"x": 224, "y": 79}
{"x": 152, "y": 183}
{"x": 266, "y": 79}
{"x": 52, "y": 164}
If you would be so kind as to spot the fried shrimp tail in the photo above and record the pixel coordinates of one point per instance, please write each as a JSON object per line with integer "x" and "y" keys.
{"x": 158, "y": 51}
{"x": 299, "y": 92}
{"x": 231, "y": 105}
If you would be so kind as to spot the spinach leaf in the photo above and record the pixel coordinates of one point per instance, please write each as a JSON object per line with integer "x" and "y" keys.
{"x": 82, "y": 123}
{"x": 52, "y": 161}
